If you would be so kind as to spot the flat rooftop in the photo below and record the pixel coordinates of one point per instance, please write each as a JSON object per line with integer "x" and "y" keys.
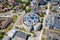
{"x": 4, "y": 21}
{"x": 53, "y": 21}
{"x": 57, "y": 23}
{"x": 20, "y": 36}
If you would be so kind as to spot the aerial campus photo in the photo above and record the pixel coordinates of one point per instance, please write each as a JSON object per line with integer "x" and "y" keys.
{"x": 29, "y": 19}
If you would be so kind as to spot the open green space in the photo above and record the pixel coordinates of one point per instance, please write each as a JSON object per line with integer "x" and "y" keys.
{"x": 14, "y": 18}
{"x": 1, "y": 35}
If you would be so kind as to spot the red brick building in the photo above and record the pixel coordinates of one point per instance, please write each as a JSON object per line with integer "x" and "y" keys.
{"x": 10, "y": 2}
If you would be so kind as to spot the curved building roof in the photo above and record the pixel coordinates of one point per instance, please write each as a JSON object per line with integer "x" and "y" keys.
{"x": 30, "y": 19}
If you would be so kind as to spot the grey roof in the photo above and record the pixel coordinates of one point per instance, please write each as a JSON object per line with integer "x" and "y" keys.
{"x": 53, "y": 22}
{"x": 57, "y": 23}
{"x": 54, "y": 3}
{"x": 54, "y": 0}
{"x": 6, "y": 38}
{"x": 7, "y": 23}
{"x": 21, "y": 35}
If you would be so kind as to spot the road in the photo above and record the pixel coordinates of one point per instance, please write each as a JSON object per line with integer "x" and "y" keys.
{"x": 48, "y": 6}
{"x": 19, "y": 17}
{"x": 40, "y": 37}
{"x": 47, "y": 13}
{"x": 9, "y": 14}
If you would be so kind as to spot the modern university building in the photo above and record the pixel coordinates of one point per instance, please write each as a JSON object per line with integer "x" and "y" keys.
{"x": 31, "y": 21}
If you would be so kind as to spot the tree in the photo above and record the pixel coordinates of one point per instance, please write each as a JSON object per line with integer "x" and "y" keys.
{"x": 14, "y": 18}
{"x": 0, "y": 21}
{"x": 23, "y": 7}
{"x": 55, "y": 11}
{"x": 17, "y": 0}
{"x": 5, "y": 5}
{"x": 1, "y": 35}
{"x": 37, "y": 13}
{"x": 27, "y": 10}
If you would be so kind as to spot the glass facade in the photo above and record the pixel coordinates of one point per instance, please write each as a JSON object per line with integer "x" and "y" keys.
{"x": 30, "y": 19}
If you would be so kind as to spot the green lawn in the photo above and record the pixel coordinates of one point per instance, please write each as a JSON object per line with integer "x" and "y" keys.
{"x": 22, "y": 29}
{"x": 43, "y": 31}
{"x": 41, "y": 15}
{"x": 1, "y": 35}
{"x": 55, "y": 11}
{"x": 23, "y": 7}
{"x": 17, "y": 0}
{"x": 5, "y": 5}
{"x": 14, "y": 18}
{"x": 28, "y": 10}
{"x": 43, "y": 38}
{"x": 8, "y": 28}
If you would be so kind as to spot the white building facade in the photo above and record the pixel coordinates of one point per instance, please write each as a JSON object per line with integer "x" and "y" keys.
{"x": 31, "y": 21}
